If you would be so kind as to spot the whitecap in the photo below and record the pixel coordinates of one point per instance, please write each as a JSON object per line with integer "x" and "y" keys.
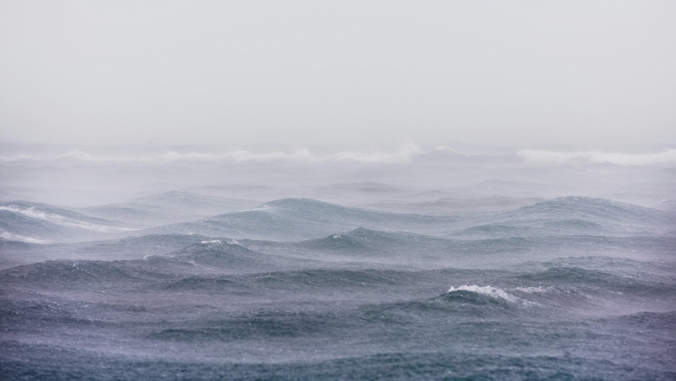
{"x": 403, "y": 155}
{"x": 32, "y": 212}
{"x": 15, "y": 237}
{"x": 493, "y": 292}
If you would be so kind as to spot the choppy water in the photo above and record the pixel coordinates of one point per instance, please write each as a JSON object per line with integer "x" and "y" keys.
{"x": 571, "y": 288}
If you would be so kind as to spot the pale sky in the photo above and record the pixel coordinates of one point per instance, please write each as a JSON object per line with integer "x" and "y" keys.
{"x": 340, "y": 72}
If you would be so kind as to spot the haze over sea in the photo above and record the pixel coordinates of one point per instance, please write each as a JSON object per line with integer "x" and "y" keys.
{"x": 416, "y": 262}
{"x": 337, "y": 190}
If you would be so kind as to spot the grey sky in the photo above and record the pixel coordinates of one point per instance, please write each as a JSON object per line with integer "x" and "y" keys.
{"x": 342, "y": 72}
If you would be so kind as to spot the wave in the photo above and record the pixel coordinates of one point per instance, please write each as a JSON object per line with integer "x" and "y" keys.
{"x": 578, "y": 216}
{"x": 575, "y": 275}
{"x": 37, "y": 213}
{"x": 290, "y": 281}
{"x": 588, "y": 206}
{"x": 496, "y": 230}
{"x": 407, "y": 152}
{"x": 42, "y": 223}
{"x": 337, "y": 363}
{"x": 301, "y": 219}
{"x": 667, "y": 157}
{"x": 461, "y": 303}
{"x": 614, "y": 265}
{"x": 574, "y": 224}
{"x": 591, "y": 213}
{"x": 194, "y": 261}
{"x": 661, "y": 320}
{"x": 198, "y": 283}
{"x": 225, "y": 254}
{"x": 534, "y": 290}
{"x": 262, "y": 324}
{"x": 493, "y": 292}
{"x": 401, "y": 156}
{"x": 331, "y": 279}
{"x": 5, "y": 235}
{"x": 37, "y": 312}
{"x": 335, "y": 242}
{"x": 604, "y": 284}
{"x": 167, "y": 207}
{"x": 68, "y": 273}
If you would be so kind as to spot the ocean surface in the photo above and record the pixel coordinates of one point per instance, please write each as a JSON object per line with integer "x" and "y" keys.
{"x": 570, "y": 288}
{"x": 192, "y": 263}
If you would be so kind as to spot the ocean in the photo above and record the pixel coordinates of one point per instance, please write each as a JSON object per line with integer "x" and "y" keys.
{"x": 186, "y": 286}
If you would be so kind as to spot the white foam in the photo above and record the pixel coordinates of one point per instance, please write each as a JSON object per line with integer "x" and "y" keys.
{"x": 493, "y": 292}
{"x": 533, "y": 290}
{"x": 212, "y": 241}
{"x": 263, "y": 207}
{"x": 60, "y": 220}
{"x": 15, "y": 237}
{"x": 403, "y": 155}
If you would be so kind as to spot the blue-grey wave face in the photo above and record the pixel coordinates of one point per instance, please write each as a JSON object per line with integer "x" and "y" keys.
{"x": 42, "y": 223}
{"x": 305, "y": 219}
{"x": 295, "y": 288}
{"x": 167, "y": 207}
{"x": 294, "y": 219}
{"x": 576, "y": 216}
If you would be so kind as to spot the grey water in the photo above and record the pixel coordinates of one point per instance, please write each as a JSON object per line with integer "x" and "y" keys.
{"x": 441, "y": 267}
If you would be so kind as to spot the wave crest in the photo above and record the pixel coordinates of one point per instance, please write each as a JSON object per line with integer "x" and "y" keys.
{"x": 493, "y": 292}
{"x": 401, "y": 156}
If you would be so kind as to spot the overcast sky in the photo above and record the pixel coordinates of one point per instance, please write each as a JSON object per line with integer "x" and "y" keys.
{"x": 340, "y": 72}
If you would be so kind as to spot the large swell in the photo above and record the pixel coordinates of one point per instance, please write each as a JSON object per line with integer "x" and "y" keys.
{"x": 571, "y": 288}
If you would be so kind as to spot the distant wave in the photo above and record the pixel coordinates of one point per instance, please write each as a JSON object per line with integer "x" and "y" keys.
{"x": 32, "y": 212}
{"x": 534, "y": 290}
{"x": 405, "y": 154}
{"x": 597, "y": 157}
{"x": 15, "y": 237}
{"x": 401, "y": 156}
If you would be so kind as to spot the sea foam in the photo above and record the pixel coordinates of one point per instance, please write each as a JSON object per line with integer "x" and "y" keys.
{"x": 493, "y": 292}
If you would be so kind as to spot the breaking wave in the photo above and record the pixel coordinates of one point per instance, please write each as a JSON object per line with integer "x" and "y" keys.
{"x": 490, "y": 291}
{"x": 33, "y": 212}
{"x": 402, "y": 155}
{"x": 16, "y": 237}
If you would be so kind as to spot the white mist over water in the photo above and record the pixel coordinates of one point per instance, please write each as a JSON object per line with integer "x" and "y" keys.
{"x": 381, "y": 190}
{"x": 667, "y": 157}
{"x": 405, "y": 178}
{"x": 401, "y": 156}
